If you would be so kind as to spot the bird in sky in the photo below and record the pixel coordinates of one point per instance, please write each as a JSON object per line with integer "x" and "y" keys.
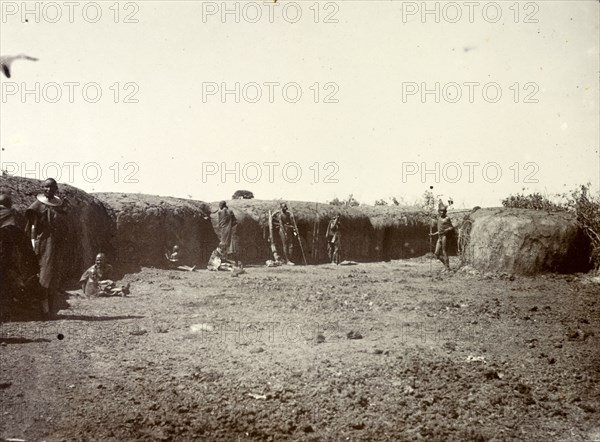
{"x": 6, "y": 61}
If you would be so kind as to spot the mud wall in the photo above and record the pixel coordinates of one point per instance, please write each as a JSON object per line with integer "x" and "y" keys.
{"x": 135, "y": 230}
{"x": 148, "y": 225}
{"x": 524, "y": 241}
{"x": 368, "y": 233}
{"x": 89, "y": 227}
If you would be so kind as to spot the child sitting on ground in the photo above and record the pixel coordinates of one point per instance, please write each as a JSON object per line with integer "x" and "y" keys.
{"x": 96, "y": 281}
{"x": 173, "y": 259}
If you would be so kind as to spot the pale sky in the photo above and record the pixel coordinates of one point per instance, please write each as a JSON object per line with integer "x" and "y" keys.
{"x": 369, "y": 61}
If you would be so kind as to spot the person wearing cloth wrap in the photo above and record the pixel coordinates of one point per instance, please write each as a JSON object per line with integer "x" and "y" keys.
{"x": 282, "y": 220}
{"x": 228, "y": 233}
{"x": 444, "y": 226}
{"x": 47, "y": 229}
{"x": 18, "y": 263}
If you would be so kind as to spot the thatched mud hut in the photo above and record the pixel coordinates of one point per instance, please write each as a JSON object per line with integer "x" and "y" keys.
{"x": 149, "y": 225}
{"x": 135, "y": 230}
{"x": 523, "y": 241}
{"x": 89, "y": 227}
{"x": 368, "y": 233}
{"x": 312, "y": 220}
{"x": 401, "y": 233}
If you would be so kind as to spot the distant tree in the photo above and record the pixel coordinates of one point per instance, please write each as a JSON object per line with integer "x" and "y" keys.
{"x": 242, "y": 195}
{"x": 427, "y": 203}
{"x": 348, "y": 202}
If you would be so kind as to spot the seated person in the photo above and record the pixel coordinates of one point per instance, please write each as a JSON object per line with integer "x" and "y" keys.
{"x": 217, "y": 260}
{"x": 96, "y": 281}
{"x": 173, "y": 257}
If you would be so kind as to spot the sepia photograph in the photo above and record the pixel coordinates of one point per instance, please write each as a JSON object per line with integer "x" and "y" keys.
{"x": 309, "y": 220}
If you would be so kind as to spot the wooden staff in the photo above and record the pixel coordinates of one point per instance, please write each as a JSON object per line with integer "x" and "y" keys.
{"x": 298, "y": 233}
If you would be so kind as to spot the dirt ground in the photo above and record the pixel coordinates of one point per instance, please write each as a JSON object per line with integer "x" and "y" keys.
{"x": 380, "y": 351}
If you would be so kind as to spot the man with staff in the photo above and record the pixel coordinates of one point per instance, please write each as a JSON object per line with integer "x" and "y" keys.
{"x": 284, "y": 220}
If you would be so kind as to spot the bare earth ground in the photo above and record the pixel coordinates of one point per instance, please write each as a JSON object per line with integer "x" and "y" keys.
{"x": 448, "y": 357}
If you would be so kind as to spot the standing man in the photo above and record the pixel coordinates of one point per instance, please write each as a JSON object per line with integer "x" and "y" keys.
{"x": 228, "y": 233}
{"x": 46, "y": 227}
{"x": 444, "y": 226}
{"x": 284, "y": 223}
{"x": 333, "y": 236}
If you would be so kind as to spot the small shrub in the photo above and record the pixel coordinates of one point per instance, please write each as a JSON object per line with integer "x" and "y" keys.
{"x": 348, "y": 202}
{"x": 535, "y": 201}
{"x": 587, "y": 208}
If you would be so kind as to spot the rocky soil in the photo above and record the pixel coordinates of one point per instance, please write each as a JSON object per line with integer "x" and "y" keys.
{"x": 386, "y": 351}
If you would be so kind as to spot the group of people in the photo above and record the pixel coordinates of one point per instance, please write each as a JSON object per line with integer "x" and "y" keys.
{"x": 36, "y": 257}
{"x": 227, "y": 252}
{"x": 33, "y": 261}
{"x": 283, "y": 221}
{"x": 226, "y": 255}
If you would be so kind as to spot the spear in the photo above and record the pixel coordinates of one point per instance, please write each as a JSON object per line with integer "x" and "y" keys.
{"x": 298, "y": 233}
